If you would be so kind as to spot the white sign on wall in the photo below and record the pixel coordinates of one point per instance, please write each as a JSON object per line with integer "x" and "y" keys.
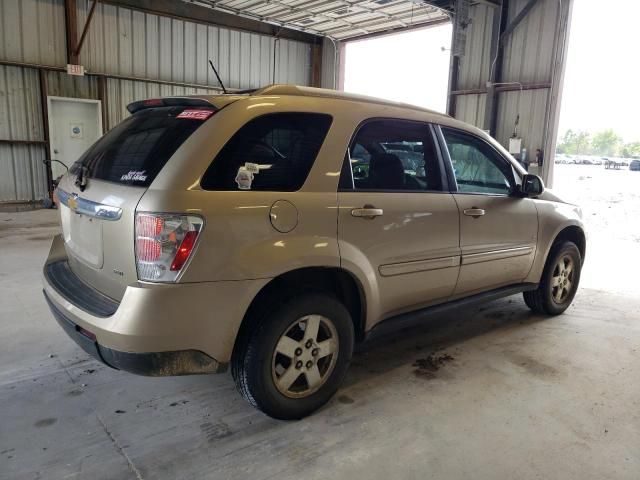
{"x": 515, "y": 145}
{"x": 76, "y": 130}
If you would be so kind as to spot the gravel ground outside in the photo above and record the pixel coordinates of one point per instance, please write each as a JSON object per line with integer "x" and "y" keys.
{"x": 610, "y": 201}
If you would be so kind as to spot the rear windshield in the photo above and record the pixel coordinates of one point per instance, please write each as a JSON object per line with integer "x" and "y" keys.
{"x": 273, "y": 152}
{"x": 134, "y": 152}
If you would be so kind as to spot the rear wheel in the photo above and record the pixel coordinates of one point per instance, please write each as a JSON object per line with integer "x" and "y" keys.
{"x": 296, "y": 358}
{"x": 559, "y": 281}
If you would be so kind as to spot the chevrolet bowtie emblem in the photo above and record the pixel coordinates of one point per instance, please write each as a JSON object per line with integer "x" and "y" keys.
{"x": 72, "y": 202}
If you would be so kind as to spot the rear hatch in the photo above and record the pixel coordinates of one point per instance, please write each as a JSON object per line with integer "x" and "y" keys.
{"x": 100, "y": 193}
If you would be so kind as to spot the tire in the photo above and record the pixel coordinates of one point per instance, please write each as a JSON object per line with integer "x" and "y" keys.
{"x": 548, "y": 298}
{"x": 257, "y": 365}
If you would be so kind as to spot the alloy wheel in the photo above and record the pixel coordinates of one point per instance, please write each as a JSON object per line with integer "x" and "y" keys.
{"x": 562, "y": 279}
{"x": 305, "y": 356}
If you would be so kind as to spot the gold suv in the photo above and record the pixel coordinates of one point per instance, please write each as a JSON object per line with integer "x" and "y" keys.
{"x": 273, "y": 230}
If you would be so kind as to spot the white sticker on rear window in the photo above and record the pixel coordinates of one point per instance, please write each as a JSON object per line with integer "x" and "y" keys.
{"x": 244, "y": 178}
{"x": 195, "y": 114}
{"x": 134, "y": 176}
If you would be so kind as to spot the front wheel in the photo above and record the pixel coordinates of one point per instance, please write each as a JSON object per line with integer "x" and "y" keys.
{"x": 296, "y": 357}
{"x": 559, "y": 282}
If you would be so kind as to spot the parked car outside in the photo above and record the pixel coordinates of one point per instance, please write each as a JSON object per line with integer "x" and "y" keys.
{"x": 272, "y": 231}
{"x": 634, "y": 165}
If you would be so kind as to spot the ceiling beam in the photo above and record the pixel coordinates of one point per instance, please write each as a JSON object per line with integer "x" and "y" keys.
{"x": 493, "y": 3}
{"x": 393, "y": 30}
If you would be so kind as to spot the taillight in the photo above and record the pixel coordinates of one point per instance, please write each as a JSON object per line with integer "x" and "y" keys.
{"x": 184, "y": 251}
{"x": 164, "y": 244}
{"x": 148, "y": 249}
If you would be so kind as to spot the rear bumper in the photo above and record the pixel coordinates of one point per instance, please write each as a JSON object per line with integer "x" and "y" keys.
{"x": 184, "y": 362}
{"x": 154, "y": 329}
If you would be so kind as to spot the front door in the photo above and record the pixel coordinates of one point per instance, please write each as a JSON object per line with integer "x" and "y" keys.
{"x": 74, "y": 125}
{"x": 498, "y": 231}
{"x": 396, "y": 217}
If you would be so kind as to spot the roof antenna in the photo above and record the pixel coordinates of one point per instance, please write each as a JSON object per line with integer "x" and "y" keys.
{"x": 217, "y": 76}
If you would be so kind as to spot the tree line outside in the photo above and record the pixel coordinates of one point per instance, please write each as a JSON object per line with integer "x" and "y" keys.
{"x": 606, "y": 144}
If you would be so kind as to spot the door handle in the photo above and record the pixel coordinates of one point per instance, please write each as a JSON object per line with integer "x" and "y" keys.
{"x": 474, "y": 212}
{"x": 368, "y": 211}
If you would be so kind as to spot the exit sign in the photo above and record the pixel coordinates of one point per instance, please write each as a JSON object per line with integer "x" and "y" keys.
{"x": 75, "y": 69}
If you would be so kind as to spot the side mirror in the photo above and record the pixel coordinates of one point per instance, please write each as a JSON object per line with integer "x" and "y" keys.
{"x": 532, "y": 186}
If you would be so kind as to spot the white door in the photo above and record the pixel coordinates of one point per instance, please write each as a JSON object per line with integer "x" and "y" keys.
{"x": 74, "y": 125}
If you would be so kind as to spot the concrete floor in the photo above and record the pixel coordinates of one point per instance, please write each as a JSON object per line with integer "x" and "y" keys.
{"x": 523, "y": 396}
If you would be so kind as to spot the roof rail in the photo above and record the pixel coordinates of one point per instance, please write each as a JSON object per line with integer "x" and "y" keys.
{"x": 302, "y": 91}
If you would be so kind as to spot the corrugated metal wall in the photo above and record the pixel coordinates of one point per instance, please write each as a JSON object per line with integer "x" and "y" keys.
{"x": 59, "y": 84}
{"x": 476, "y": 62}
{"x": 120, "y": 42}
{"x": 22, "y": 173}
{"x": 32, "y": 31}
{"x": 20, "y": 112}
{"x": 133, "y": 43}
{"x": 528, "y": 55}
{"x": 330, "y": 61}
{"x": 528, "y": 58}
{"x": 470, "y": 108}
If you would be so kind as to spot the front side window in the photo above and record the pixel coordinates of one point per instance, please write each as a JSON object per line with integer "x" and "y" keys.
{"x": 274, "y": 152}
{"x": 476, "y": 166}
{"x": 394, "y": 155}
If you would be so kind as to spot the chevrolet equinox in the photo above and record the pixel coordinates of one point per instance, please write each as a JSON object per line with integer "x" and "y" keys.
{"x": 273, "y": 230}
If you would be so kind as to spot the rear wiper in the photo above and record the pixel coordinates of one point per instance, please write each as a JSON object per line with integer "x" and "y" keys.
{"x": 83, "y": 169}
{"x": 81, "y": 178}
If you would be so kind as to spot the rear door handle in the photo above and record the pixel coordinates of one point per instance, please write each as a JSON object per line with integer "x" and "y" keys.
{"x": 474, "y": 212}
{"x": 368, "y": 211}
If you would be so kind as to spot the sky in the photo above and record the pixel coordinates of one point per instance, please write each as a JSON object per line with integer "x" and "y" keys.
{"x": 603, "y": 69}
{"x": 602, "y": 75}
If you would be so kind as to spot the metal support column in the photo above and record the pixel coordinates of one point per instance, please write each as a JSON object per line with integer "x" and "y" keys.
{"x": 453, "y": 85}
{"x": 42, "y": 77}
{"x": 71, "y": 26}
{"x": 316, "y": 65}
{"x": 495, "y": 73}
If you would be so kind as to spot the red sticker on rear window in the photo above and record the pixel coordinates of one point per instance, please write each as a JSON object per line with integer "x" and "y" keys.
{"x": 196, "y": 114}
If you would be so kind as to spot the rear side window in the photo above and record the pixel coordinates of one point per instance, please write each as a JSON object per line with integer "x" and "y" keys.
{"x": 390, "y": 154}
{"x": 134, "y": 152}
{"x": 273, "y": 152}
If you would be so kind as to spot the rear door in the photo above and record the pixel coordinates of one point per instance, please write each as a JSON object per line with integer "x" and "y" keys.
{"x": 100, "y": 194}
{"x": 498, "y": 231}
{"x": 395, "y": 215}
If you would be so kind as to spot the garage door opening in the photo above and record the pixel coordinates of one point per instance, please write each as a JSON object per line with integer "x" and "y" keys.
{"x": 410, "y": 67}
{"x": 600, "y": 105}
{"x": 598, "y": 144}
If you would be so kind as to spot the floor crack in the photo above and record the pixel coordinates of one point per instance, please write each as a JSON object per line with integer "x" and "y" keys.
{"x": 113, "y": 439}
{"x": 119, "y": 448}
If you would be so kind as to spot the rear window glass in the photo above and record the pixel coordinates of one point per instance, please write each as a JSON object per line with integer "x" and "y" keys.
{"x": 273, "y": 152}
{"x": 134, "y": 152}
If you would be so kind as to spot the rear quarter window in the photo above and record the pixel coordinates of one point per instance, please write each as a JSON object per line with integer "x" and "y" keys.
{"x": 273, "y": 152}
